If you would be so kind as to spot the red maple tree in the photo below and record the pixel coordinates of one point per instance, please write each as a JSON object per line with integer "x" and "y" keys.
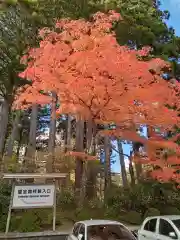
{"x": 96, "y": 78}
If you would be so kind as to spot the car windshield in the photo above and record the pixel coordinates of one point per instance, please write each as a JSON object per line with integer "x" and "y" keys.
{"x": 108, "y": 232}
{"x": 177, "y": 223}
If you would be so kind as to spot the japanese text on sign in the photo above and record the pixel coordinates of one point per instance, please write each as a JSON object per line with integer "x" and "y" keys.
{"x": 29, "y": 196}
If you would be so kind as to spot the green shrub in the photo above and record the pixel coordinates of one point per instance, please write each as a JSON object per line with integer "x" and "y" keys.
{"x": 49, "y": 218}
{"x": 143, "y": 196}
{"x": 3, "y": 223}
{"x": 5, "y": 193}
{"x": 15, "y": 222}
{"x": 170, "y": 210}
{"x": 66, "y": 199}
{"x": 83, "y": 214}
{"x": 43, "y": 216}
{"x": 95, "y": 204}
{"x": 110, "y": 212}
{"x": 29, "y": 222}
{"x": 151, "y": 212}
{"x": 132, "y": 217}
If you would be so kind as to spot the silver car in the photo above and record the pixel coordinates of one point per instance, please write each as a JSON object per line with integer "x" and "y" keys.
{"x": 100, "y": 230}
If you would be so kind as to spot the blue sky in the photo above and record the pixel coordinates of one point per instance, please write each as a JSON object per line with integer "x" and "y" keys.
{"x": 126, "y": 150}
{"x": 173, "y": 6}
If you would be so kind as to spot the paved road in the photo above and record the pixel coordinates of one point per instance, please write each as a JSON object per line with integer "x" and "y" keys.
{"x": 42, "y": 238}
{"x": 35, "y": 236}
{"x": 59, "y": 235}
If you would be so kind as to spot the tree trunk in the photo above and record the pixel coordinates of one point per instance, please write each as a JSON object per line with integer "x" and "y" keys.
{"x": 68, "y": 147}
{"x": 105, "y": 3}
{"x": 91, "y": 169}
{"x": 68, "y": 133}
{"x": 131, "y": 170}
{"x": 79, "y": 162}
{"x": 13, "y": 136}
{"x": 3, "y": 124}
{"x": 107, "y": 165}
{"x": 138, "y": 166}
{"x": 19, "y": 142}
{"x": 122, "y": 164}
{"x": 89, "y": 135}
{"x": 52, "y": 134}
{"x": 31, "y": 149}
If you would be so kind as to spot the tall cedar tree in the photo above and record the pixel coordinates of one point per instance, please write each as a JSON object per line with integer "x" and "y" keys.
{"x": 143, "y": 20}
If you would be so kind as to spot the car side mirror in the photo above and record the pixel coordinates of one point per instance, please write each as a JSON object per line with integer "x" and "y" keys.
{"x": 80, "y": 236}
{"x": 172, "y": 235}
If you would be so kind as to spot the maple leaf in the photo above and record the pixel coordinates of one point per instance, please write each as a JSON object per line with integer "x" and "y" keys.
{"x": 173, "y": 160}
{"x": 163, "y": 144}
{"x": 165, "y": 174}
{"x": 124, "y": 134}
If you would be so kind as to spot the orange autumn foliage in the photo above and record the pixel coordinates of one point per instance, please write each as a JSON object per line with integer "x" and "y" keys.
{"x": 129, "y": 135}
{"x": 30, "y": 95}
{"x": 75, "y": 63}
{"x": 97, "y": 78}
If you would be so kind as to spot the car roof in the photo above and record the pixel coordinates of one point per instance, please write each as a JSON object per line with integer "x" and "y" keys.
{"x": 168, "y": 217}
{"x": 92, "y": 222}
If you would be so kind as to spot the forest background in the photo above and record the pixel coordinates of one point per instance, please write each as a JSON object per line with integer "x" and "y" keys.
{"x": 32, "y": 139}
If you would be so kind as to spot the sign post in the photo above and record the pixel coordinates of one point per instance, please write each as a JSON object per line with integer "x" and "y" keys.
{"x": 10, "y": 209}
{"x": 32, "y": 195}
{"x": 54, "y": 211}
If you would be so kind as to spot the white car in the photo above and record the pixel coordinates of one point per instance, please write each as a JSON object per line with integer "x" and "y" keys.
{"x": 100, "y": 229}
{"x": 160, "y": 228}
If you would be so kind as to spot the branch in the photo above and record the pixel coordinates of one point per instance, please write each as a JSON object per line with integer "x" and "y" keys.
{"x": 105, "y": 104}
{"x": 119, "y": 152}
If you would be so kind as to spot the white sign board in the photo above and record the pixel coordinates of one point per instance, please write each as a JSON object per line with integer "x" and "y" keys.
{"x": 33, "y": 196}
